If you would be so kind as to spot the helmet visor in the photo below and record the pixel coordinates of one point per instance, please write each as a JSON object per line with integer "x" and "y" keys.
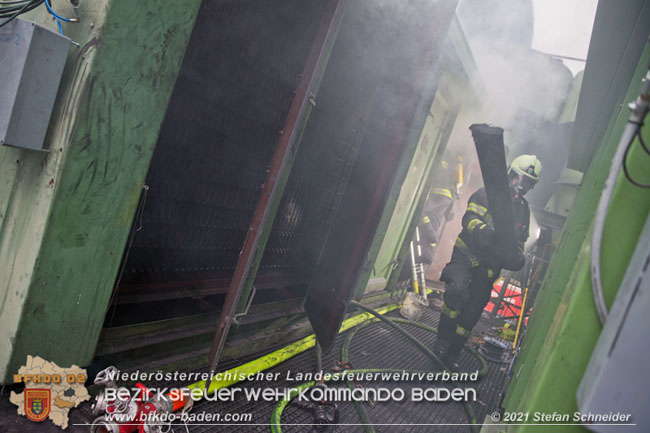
{"x": 521, "y": 184}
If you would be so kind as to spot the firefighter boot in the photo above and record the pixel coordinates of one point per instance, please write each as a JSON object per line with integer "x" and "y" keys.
{"x": 446, "y": 331}
{"x": 455, "y": 349}
{"x": 441, "y": 347}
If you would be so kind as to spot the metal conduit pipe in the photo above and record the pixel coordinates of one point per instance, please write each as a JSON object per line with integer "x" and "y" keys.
{"x": 639, "y": 110}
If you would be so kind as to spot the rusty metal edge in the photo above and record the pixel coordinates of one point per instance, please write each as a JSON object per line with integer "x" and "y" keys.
{"x": 273, "y": 188}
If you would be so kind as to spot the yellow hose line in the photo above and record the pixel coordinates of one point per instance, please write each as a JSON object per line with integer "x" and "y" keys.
{"x": 272, "y": 359}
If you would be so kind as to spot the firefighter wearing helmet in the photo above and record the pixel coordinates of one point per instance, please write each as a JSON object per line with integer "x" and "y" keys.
{"x": 473, "y": 268}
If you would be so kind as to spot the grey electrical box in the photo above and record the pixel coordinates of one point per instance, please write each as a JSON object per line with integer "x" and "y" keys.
{"x": 31, "y": 64}
{"x": 616, "y": 381}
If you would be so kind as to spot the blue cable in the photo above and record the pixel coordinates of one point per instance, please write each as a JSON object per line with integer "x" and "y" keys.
{"x": 58, "y": 22}
{"x": 57, "y": 16}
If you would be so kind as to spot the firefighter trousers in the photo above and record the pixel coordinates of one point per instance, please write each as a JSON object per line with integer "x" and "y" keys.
{"x": 467, "y": 292}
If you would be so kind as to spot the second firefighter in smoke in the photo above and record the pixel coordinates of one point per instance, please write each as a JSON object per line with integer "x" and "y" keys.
{"x": 438, "y": 210}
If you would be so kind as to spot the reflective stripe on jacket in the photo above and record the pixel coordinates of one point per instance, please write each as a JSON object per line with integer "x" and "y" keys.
{"x": 477, "y": 218}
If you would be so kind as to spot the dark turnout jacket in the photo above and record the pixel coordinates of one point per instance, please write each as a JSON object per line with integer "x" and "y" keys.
{"x": 476, "y": 237}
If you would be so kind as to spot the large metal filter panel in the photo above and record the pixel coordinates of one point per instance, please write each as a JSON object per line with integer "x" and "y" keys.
{"x": 229, "y": 103}
{"x": 324, "y": 161}
{"x": 398, "y": 46}
{"x": 356, "y": 131}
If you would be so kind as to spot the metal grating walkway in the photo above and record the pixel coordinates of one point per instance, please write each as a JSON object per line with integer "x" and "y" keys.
{"x": 374, "y": 346}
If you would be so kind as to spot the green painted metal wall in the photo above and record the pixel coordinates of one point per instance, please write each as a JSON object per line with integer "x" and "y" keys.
{"x": 435, "y": 129}
{"x": 564, "y": 326}
{"x": 65, "y": 215}
{"x": 457, "y": 85}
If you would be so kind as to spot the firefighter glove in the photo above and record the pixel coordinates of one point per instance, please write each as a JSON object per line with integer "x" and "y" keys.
{"x": 484, "y": 236}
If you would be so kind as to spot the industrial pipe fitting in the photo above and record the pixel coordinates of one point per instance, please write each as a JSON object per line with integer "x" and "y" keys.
{"x": 107, "y": 377}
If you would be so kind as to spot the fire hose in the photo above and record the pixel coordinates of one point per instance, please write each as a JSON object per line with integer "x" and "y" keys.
{"x": 393, "y": 322}
{"x": 132, "y": 415}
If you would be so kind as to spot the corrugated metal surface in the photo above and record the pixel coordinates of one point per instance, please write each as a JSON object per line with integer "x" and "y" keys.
{"x": 229, "y": 104}
{"x": 230, "y": 101}
{"x": 324, "y": 161}
{"x": 398, "y": 45}
{"x": 231, "y": 98}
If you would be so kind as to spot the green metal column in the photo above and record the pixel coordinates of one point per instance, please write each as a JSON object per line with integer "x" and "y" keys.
{"x": 565, "y": 326}
{"x": 65, "y": 215}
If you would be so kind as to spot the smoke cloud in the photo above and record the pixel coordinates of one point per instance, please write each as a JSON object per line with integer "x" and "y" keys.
{"x": 525, "y": 89}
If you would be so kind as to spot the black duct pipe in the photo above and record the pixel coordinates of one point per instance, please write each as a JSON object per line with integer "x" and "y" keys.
{"x": 491, "y": 156}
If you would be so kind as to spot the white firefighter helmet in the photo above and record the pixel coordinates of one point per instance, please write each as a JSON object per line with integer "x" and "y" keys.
{"x": 523, "y": 174}
{"x": 526, "y": 165}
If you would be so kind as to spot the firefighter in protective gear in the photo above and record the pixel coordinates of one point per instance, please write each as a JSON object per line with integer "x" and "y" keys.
{"x": 438, "y": 208}
{"x": 472, "y": 270}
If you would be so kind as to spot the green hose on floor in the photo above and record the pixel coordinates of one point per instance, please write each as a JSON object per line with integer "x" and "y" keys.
{"x": 279, "y": 408}
{"x": 360, "y": 408}
{"x": 393, "y": 322}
